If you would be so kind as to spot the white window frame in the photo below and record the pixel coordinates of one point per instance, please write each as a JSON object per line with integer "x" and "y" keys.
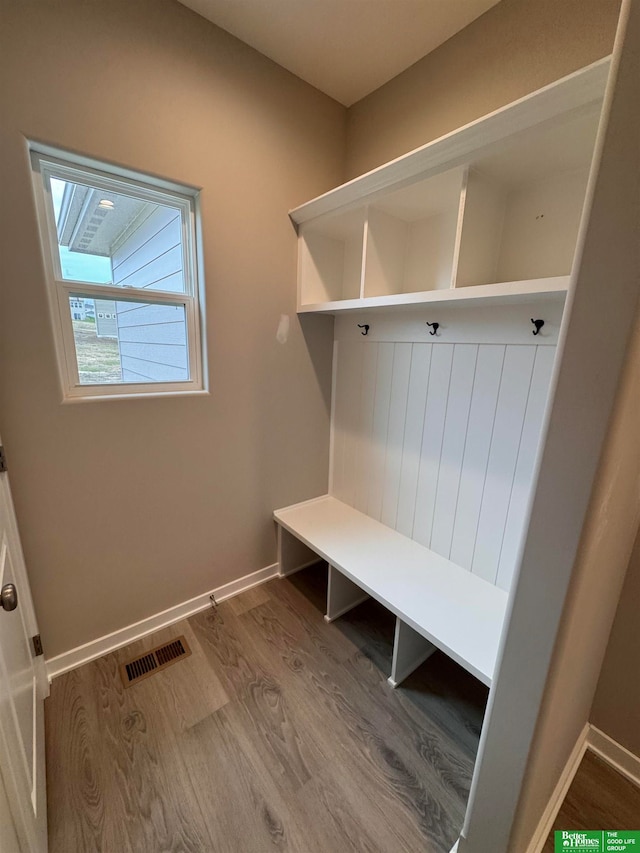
{"x": 47, "y": 162}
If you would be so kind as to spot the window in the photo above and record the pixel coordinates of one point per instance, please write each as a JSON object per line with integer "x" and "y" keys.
{"x": 121, "y": 261}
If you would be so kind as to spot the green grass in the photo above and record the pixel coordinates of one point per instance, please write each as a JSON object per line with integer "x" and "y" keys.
{"x": 98, "y": 358}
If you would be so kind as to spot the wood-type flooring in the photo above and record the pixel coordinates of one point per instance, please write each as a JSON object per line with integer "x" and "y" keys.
{"x": 599, "y": 798}
{"x": 278, "y": 733}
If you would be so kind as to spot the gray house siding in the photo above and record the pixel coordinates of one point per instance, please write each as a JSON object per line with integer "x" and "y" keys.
{"x": 152, "y": 337}
{"x": 106, "y": 318}
{"x": 152, "y": 342}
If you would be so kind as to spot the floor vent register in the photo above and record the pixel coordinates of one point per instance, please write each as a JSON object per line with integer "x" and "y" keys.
{"x": 154, "y": 661}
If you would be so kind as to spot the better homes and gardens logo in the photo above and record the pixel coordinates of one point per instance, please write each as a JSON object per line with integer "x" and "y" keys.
{"x": 570, "y": 840}
{"x": 607, "y": 841}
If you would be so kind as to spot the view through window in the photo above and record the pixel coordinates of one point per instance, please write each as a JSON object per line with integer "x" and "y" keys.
{"x": 123, "y": 264}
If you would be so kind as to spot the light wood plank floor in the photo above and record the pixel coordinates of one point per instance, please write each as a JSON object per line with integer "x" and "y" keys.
{"x": 599, "y": 798}
{"x": 279, "y": 732}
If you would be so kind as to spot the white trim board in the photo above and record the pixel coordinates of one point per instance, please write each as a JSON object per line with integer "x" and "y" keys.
{"x": 460, "y": 324}
{"x": 559, "y": 792}
{"x": 616, "y": 755}
{"x": 553, "y": 288}
{"x": 609, "y": 750}
{"x": 74, "y": 658}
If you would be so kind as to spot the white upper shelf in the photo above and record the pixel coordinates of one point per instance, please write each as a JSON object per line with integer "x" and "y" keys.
{"x": 569, "y": 96}
{"x": 504, "y": 293}
{"x": 489, "y": 212}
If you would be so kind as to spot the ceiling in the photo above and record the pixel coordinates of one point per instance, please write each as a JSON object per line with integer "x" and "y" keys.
{"x": 345, "y": 48}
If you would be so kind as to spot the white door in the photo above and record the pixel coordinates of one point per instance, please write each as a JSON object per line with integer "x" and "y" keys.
{"x": 23, "y": 687}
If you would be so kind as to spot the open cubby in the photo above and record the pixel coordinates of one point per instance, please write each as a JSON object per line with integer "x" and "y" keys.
{"x": 491, "y": 212}
{"x": 411, "y": 237}
{"x": 523, "y": 204}
{"x": 331, "y": 258}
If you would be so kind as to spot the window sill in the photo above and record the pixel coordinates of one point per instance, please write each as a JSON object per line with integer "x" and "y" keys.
{"x": 143, "y": 395}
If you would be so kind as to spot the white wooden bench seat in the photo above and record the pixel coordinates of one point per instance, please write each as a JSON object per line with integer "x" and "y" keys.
{"x": 437, "y": 603}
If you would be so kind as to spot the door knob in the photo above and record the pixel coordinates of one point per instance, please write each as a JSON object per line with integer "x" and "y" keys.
{"x": 9, "y": 596}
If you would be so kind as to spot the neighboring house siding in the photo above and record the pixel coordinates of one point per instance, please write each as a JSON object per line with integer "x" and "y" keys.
{"x": 152, "y": 337}
{"x": 106, "y": 318}
{"x": 152, "y": 342}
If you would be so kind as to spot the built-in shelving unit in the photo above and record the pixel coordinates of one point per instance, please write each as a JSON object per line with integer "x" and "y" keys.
{"x": 410, "y": 237}
{"x": 453, "y": 416}
{"x": 490, "y": 212}
{"x": 456, "y": 258}
{"x": 437, "y": 604}
{"x": 331, "y": 257}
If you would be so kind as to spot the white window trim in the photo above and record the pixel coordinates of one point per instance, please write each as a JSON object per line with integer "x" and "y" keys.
{"x": 59, "y": 289}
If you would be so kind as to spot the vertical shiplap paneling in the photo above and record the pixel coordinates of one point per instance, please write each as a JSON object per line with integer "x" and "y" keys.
{"x": 365, "y": 449}
{"x": 476, "y": 454}
{"x": 505, "y": 442}
{"x": 453, "y": 445}
{"x": 395, "y": 434}
{"x": 439, "y": 440}
{"x": 525, "y": 464}
{"x": 353, "y": 359}
{"x": 412, "y": 445}
{"x": 432, "y": 438}
{"x": 341, "y": 394}
{"x": 379, "y": 430}
{"x": 336, "y": 435}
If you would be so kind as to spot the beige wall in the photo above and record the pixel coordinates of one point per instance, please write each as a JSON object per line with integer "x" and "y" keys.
{"x": 127, "y": 508}
{"x": 513, "y": 49}
{"x": 616, "y": 707}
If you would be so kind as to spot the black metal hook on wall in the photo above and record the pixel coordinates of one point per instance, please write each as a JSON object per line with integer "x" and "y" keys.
{"x": 364, "y": 326}
{"x": 538, "y": 325}
{"x": 435, "y": 327}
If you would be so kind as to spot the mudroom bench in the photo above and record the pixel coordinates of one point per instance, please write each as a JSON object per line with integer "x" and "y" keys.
{"x": 437, "y": 604}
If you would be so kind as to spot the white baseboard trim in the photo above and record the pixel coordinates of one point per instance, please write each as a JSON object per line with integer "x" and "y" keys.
{"x": 559, "y": 793}
{"x": 454, "y": 849}
{"x": 110, "y": 642}
{"x": 615, "y": 754}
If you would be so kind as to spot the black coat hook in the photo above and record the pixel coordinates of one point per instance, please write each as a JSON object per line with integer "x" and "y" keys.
{"x": 364, "y": 326}
{"x": 538, "y": 325}
{"x": 435, "y": 327}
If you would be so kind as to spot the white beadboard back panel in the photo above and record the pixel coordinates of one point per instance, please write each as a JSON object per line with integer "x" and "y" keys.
{"x": 436, "y": 436}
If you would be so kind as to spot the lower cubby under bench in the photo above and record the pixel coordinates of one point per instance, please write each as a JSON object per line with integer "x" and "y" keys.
{"x": 437, "y": 604}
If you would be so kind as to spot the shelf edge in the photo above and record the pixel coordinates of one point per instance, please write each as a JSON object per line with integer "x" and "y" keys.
{"x": 502, "y": 292}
